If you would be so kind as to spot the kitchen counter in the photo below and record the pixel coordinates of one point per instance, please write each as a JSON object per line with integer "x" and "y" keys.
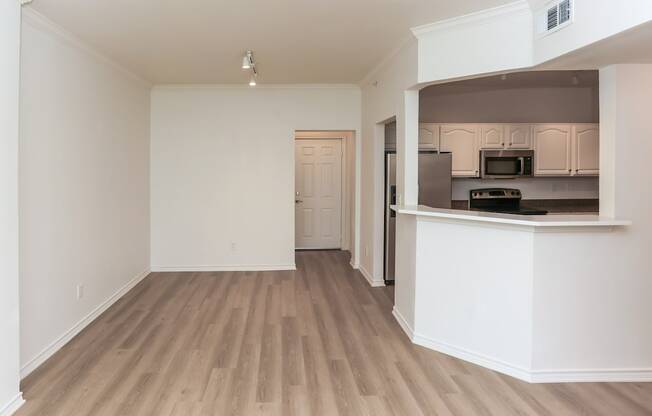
{"x": 539, "y": 221}
{"x": 502, "y": 290}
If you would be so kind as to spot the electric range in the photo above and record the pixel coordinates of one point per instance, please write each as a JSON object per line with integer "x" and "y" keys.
{"x": 500, "y": 200}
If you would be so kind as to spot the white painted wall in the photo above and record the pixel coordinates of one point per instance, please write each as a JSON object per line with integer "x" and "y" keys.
{"x": 534, "y": 188}
{"x": 594, "y": 20}
{"x": 614, "y": 283}
{"x": 84, "y": 185}
{"x": 222, "y": 173}
{"x": 10, "y": 397}
{"x": 382, "y": 98}
{"x": 474, "y": 290}
{"x": 492, "y": 40}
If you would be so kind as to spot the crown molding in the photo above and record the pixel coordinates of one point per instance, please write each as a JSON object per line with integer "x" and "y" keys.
{"x": 408, "y": 41}
{"x": 44, "y": 24}
{"x": 257, "y": 87}
{"x": 473, "y": 18}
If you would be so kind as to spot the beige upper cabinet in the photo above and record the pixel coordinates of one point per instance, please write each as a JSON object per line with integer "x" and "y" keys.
{"x": 518, "y": 136}
{"x": 492, "y": 136}
{"x": 428, "y": 136}
{"x": 586, "y": 149}
{"x": 552, "y": 143}
{"x": 462, "y": 140}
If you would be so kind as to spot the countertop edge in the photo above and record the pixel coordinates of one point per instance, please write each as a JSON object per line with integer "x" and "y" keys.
{"x": 522, "y": 220}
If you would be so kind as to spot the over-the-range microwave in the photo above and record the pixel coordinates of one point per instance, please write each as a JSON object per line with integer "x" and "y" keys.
{"x": 506, "y": 164}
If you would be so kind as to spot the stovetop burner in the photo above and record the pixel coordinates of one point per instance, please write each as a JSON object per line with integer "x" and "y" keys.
{"x": 500, "y": 200}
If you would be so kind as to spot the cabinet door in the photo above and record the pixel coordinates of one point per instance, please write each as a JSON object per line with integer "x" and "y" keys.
{"x": 586, "y": 147}
{"x": 492, "y": 136}
{"x": 519, "y": 136}
{"x": 462, "y": 141}
{"x": 552, "y": 145}
{"x": 429, "y": 136}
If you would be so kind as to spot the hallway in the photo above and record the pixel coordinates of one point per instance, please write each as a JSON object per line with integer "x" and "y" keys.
{"x": 318, "y": 341}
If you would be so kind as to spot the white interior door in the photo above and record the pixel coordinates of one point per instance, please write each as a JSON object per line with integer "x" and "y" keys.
{"x": 318, "y": 190}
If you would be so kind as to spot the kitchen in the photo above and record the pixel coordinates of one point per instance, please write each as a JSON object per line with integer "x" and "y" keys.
{"x": 524, "y": 295}
{"x": 521, "y": 143}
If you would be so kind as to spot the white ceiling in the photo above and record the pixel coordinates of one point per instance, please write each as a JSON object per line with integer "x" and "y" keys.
{"x": 294, "y": 41}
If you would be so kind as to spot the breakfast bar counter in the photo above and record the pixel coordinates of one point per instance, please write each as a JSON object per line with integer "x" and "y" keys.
{"x": 568, "y": 220}
{"x": 503, "y": 291}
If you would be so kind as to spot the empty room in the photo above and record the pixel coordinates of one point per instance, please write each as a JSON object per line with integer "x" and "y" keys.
{"x": 329, "y": 208}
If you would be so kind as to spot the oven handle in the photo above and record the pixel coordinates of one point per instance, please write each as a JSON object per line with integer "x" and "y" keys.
{"x": 522, "y": 159}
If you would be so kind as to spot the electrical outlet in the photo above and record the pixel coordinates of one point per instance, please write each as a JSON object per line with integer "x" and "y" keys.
{"x": 366, "y": 251}
{"x": 80, "y": 291}
{"x": 233, "y": 247}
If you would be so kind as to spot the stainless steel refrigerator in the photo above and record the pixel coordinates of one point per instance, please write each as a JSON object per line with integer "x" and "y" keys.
{"x": 435, "y": 191}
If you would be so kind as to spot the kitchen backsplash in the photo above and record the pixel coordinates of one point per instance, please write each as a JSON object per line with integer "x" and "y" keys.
{"x": 534, "y": 188}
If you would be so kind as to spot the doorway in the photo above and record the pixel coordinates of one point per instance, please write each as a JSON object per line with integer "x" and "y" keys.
{"x": 318, "y": 193}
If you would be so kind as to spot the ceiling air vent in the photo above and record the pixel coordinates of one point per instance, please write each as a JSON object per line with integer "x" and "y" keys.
{"x": 554, "y": 16}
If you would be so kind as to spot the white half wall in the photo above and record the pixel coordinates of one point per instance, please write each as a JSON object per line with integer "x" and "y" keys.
{"x": 84, "y": 186}
{"x": 222, "y": 174}
{"x": 10, "y": 396}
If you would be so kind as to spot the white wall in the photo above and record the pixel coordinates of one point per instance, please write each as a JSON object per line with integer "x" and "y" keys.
{"x": 382, "y": 98}
{"x": 489, "y": 41}
{"x": 10, "y": 397}
{"x": 84, "y": 185}
{"x": 222, "y": 174}
{"x": 615, "y": 284}
{"x": 594, "y": 20}
{"x": 534, "y": 188}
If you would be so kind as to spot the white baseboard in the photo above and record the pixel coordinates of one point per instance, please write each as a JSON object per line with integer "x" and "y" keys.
{"x": 14, "y": 404}
{"x": 355, "y": 266}
{"x": 56, "y": 345}
{"x": 405, "y": 326}
{"x": 227, "y": 268}
{"x": 369, "y": 278}
{"x": 625, "y": 375}
{"x": 475, "y": 358}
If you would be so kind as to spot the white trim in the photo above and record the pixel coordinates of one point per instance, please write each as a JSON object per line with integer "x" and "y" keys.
{"x": 42, "y": 23}
{"x": 408, "y": 41}
{"x": 369, "y": 278}
{"x": 625, "y": 375}
{"x": 475, "y": 358}
{"x": 56, "y": 345}
{"x": 13, "y": 405}
{"x": 226, "y": 268}
{"x": 405, "y": 326}
{"x": 355, "y": 266}
{"x": 472, "y": 18}
{"x": 258, "y": 87}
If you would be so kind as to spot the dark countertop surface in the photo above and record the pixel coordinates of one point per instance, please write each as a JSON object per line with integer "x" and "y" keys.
{"x": 553, "y": 206}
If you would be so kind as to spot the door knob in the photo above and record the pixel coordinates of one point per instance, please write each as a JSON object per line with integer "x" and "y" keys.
{"x": 298, "y": 201}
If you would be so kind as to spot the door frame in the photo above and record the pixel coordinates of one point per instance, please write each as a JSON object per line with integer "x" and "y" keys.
{"x": 345, "y": 219}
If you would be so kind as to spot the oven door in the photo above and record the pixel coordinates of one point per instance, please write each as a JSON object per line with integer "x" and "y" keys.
{"x": 504, "y": 164}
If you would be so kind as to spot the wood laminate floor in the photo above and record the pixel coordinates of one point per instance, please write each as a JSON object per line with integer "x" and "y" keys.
{"x": 318, "y": 341}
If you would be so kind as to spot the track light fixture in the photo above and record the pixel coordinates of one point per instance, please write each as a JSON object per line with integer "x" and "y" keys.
{"x": 248, "y": 63}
